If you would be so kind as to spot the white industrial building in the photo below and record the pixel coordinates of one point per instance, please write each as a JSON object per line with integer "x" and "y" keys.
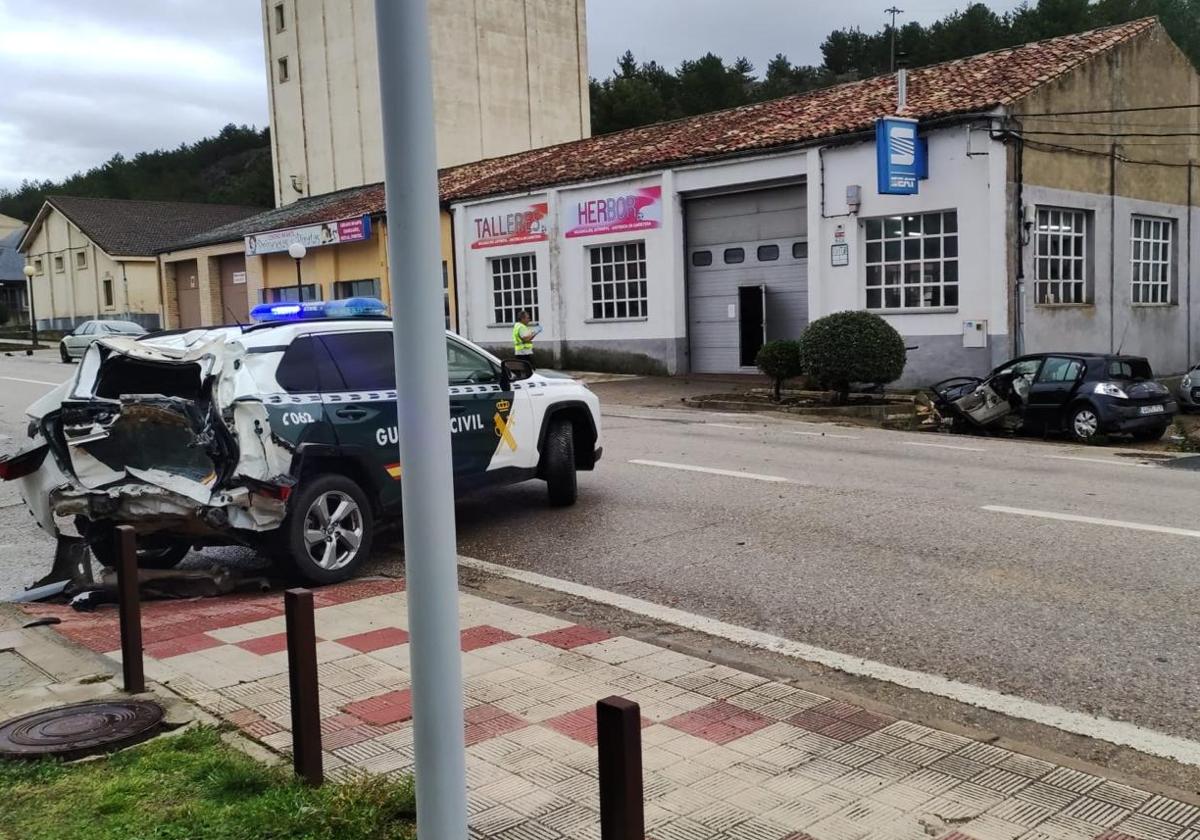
{"x": 680, "y": 247}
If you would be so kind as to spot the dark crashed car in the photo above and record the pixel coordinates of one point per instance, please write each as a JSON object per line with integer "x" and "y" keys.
{"x": 1082, "y": 394}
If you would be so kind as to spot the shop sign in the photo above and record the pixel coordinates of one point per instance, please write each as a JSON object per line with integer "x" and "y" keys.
{"x": 899, "y": 155}
{"x": 618, "y": 212}
{"x": 517, "y": 228}
{"x": 356, "y": 229}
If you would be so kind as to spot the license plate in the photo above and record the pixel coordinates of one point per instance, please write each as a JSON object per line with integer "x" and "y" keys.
{"x": 1151, "y": 409}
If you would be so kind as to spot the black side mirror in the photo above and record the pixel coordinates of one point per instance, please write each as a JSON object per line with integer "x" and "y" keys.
{"x": 514, "y": 370}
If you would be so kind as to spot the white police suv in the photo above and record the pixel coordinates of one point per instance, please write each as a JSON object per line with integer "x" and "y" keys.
{"x": 281, "y": 435}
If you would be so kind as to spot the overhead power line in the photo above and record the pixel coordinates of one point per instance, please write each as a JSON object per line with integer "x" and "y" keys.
{"x": 1110, "y": 133}
{"x": 1109, "y": 111}
{"x": 1042, "y": 144}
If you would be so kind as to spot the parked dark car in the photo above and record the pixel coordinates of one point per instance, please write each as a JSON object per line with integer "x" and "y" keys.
{"x": 1081, "y": 394}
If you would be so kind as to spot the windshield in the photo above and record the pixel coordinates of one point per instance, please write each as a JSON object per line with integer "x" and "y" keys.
{"x": 1129, "y": 369}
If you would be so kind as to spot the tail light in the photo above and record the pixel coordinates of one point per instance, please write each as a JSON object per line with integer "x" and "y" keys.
{"x": 22, "y": 463}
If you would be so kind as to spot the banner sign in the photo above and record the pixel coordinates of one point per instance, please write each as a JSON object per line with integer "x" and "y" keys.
{"x": 516, "y": 228}
{"x": 637, "y": 209}
{"x": 356, "y": 229}
{"x": 900, "y": 156}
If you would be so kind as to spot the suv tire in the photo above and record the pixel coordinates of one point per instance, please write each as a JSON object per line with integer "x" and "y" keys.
{"x": 558, "y": 464}
{"x": 324, "y": 520}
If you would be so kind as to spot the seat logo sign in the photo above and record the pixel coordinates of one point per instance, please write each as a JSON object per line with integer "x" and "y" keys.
{"x": 503, "y": 420}
{"x": 900, "y": 156}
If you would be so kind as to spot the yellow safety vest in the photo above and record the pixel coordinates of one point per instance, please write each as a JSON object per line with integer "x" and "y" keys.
{"x": 520, "y": 344}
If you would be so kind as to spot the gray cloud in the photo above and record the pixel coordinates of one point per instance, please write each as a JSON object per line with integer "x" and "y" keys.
{"x": 85, "y": 79}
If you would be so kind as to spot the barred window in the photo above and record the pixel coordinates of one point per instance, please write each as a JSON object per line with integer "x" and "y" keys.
{"x": 1152, "y": 259}
{"x": 514, "y": 287}
{"x": 1060, "y": 257}
{"x": 618, "y": 281}
{"x": 912, "y": 261}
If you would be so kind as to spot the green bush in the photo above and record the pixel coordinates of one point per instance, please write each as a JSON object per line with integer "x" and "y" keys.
{"x": 848, "y": 347}
{"x": 779, "y": 360}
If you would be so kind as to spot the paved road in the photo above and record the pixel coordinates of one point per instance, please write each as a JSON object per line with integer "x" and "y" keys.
{"x": 872, "y": 543}
{"x": 879, "y": 545}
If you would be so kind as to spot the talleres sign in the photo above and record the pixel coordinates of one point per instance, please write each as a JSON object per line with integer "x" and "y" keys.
{"x": 355, "y": 229}
{"x": 518, "y": 227}
{"x": 618, "y": 212}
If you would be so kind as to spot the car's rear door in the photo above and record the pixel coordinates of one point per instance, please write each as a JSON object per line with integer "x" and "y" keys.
{"x": 1053, "y": 388}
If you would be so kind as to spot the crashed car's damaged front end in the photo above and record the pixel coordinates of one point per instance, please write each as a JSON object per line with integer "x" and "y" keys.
{"x": 165, "y": 436}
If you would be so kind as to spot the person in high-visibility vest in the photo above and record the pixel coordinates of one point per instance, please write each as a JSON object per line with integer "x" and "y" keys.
{"x": 523, "y": 335}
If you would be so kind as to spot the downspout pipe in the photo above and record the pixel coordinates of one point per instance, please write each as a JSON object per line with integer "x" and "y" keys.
{"x": 1019, "y": 285}
{"x": 1112, "y": 249}
{"x": 1191, "y": 169}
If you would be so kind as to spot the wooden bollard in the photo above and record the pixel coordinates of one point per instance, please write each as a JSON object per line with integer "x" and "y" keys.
{"x": 619, "y": 741}
{"x": 130, "y": 608}
{"x": 302, "y": 678}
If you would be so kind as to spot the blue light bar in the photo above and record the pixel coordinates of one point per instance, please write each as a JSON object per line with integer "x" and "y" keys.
{"x": 313, "y": 310}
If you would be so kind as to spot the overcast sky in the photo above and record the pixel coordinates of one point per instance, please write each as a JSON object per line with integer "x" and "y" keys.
{"x": 84, "y": 79}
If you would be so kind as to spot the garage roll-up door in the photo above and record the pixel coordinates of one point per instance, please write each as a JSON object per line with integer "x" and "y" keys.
{"x": 747, "y": 258}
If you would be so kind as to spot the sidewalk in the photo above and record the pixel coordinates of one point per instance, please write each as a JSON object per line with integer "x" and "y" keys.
{"x": 727, "y": 755}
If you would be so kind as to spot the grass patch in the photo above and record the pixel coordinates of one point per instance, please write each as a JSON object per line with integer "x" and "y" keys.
{"x": 194, "y": 786}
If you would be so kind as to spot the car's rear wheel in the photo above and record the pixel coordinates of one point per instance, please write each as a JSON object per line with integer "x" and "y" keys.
{"x": 157, "y": 555}
{"x": 329, "y": 529}
{"x": 558, "y": 467}
{"x": 1084, "y": 424}
{"x": 63, "y": 354}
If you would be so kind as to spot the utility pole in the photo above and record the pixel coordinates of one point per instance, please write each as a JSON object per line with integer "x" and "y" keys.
{"x": 418, "y": 329}
{"x": 893, "y": 11}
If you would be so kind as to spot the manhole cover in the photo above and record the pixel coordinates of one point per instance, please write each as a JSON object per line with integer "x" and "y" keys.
{"x": 70, "y": 732}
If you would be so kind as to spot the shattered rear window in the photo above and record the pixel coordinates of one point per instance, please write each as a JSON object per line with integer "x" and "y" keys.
{"x": 122, "y": 375}
{"x": 160, "y": 436}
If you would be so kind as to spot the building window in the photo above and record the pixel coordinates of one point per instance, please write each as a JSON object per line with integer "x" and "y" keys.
{"x": 284, "y": 294}
{"x": 618, "y": 281}
{"x": 81, "y": 259}
{"x": 38, "y": 268}
{"x": 912, "y": 261}
{"x": 58, "y": 263}
{"x": 1060, "y": 257}
{"x": 356, "y": 288}
{"x": 514, "y": 287}
{"x": 701, "y": 258}
{"x": 733, "y": 256}
{"x": 108, "y": 292}
{"x": 446, "y": 291}
{"x": 1152, "y": 259}
{"x": 800, "y": 250}
{"x": 768, "y": 253}
{"x": 283, "y": 69}
{"x": 280, "y": 19}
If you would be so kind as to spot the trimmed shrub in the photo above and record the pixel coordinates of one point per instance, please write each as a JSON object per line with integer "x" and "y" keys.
{"x": 848, "y": 347}
{"x": 779, "y": 360}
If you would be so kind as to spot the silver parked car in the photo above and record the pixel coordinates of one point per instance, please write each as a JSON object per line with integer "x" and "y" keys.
{"x": 74, "y": 344}
{"x": 1189, "y": 390}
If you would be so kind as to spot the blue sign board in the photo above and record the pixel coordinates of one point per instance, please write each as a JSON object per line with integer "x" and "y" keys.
{"x": 900, "y": 156}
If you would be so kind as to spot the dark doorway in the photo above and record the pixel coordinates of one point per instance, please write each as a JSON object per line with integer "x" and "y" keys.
{"x": 752, "y": 322}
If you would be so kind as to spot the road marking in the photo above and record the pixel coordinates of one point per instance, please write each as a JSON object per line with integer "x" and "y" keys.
{"x": 713, "y": 471}
{"x": 30, "y": 381}
{"x": 824, "y": 434}
{"x": 1114, "y": 731}
{"x": 1107, "y": 461}
{"x": 944, "y": 446}
{"x": 1094, "y": 520}
{"x": 728, "y": 426}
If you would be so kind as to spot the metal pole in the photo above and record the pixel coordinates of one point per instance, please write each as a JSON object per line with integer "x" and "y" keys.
{"x": 302, "y": 679}
{"x": 414, "y": 266}
{"x": 299, "y": 284}
{"x": 619, "y": 747}
{"x": 130, "y": 607}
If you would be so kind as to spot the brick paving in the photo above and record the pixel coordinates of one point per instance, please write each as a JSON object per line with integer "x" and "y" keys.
{"x": 727, "y": 755}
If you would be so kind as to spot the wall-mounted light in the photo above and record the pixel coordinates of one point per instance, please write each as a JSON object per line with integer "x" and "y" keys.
{"x": 1028, "y": 220}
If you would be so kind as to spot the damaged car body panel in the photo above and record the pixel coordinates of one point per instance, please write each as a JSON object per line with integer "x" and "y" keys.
{"x": 1082, "y": 394}
{"x": 151, "y": 434}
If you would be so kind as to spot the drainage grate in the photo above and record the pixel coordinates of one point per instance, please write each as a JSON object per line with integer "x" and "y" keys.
{"x": 70, "y": 732}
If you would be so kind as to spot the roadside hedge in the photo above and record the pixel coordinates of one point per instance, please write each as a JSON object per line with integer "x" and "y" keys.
{"x": 780, "y": 360}
{"x": 848, "y": 347}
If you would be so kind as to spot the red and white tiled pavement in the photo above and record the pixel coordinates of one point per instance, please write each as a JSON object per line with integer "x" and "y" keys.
{"x": 727, "y": 755}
